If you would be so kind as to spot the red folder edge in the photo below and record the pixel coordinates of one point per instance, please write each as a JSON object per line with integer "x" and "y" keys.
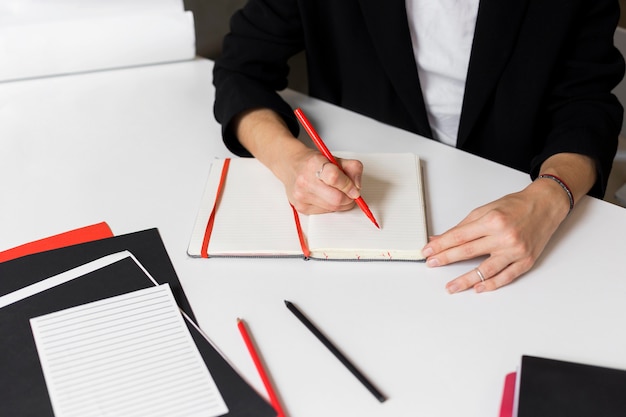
{"x": 508, "y": 395}
{"x": 72, "y": 237}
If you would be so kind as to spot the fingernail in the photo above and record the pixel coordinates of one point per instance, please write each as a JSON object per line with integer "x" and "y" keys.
{"x": 357, "y": 182}
{"x": 427, "y": 251}
{"x": 452, "y": 288}
{"x": 479, "y": 288}
{"x": 353, "y": 193}
{"x": 432, "y": 262}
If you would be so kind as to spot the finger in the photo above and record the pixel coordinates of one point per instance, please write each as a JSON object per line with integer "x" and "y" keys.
{"x": 485, "y": 271}
{"x": 331, "y": 199}
{"x": 467, "y": 280}
{"x": 353, "y": 170}
{"x": 454, "y": 238}
{"x": 494, "y": 276}
{"x": 310, "y": 195}
{"x": 310, "y": 209}
{"x": 320, "y": 198}
{"x": 457, "y": 249}
{"x": 333, "y": 176}
{"x": 504, "y": 277}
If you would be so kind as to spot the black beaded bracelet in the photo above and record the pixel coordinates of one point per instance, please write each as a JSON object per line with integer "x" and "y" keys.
{"x": 563, "y": 185}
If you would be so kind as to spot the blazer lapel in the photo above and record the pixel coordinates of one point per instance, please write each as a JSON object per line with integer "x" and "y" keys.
{"x": 496, "y": 31}
{"x": 389, "y": 31}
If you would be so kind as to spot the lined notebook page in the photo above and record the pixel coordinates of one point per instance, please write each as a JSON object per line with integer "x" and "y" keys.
{"x": 392, "y": 188}
{"x": 129, "y": 355}
{"x": 254, "y": 215}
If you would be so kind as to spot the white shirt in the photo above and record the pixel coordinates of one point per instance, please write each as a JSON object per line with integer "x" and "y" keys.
{"x": 442, "y": 32}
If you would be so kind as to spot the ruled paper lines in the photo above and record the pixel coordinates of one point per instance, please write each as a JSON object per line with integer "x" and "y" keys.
{"x": 129, "y": 355}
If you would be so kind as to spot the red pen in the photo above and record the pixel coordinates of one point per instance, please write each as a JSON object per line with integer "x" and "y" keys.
{"x": 259, "y": 367}
{"x": 321, "y": 146}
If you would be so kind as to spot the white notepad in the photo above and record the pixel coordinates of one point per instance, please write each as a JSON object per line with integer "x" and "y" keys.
{"x": 129, "y": 355}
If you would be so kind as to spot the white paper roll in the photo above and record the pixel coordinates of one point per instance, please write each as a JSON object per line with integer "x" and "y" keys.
{"x": 90, "y": 42}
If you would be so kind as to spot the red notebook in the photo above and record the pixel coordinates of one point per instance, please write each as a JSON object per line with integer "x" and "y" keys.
{"x": 71, "y": 237}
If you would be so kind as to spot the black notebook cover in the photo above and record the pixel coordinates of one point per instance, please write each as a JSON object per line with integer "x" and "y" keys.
{"x": 23, "y": 391}
{"x": 553, "y": 388}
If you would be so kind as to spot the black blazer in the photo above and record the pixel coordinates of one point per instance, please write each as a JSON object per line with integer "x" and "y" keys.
{"x": 539, "y": 80}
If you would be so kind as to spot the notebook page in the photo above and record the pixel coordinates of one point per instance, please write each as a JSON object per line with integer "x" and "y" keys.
{"x": 129, "y": 355}
{"x": 392, "y": 188}
{"x": 254, "y": 216}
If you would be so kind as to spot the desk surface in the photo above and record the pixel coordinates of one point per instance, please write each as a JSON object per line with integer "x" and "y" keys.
{"x": 132, "y": 147}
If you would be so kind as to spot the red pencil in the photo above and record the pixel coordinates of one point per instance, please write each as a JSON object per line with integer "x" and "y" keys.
{"x": 259, "y": 367}
{"x": 321, "y": 146}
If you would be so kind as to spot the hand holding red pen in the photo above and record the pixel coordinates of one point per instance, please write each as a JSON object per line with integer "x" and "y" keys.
{"x": 319, "y": 143}
{"x": 266, "y": 136}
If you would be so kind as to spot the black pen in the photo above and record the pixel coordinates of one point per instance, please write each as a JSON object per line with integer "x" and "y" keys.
{"x": 379, "y": 396}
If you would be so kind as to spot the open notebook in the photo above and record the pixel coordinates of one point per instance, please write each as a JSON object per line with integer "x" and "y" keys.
{"x": 245, "y": 213}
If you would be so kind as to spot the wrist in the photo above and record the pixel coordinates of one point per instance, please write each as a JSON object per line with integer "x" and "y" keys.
{"x": 566, "y": 189}
{"x": 577, "y": 172}
{"x": 551, "y": 197}
{"x": 285, "y": 162}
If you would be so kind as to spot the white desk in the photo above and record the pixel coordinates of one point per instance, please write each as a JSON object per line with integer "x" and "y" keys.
{"x": 132, "y": 147}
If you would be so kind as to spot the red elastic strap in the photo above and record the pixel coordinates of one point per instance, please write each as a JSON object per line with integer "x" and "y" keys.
{"x": 209, "y": 227}
{"x": 303, "y": 245}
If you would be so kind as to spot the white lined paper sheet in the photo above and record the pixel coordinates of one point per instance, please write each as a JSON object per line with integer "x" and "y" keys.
{"x": 129, "y": 355}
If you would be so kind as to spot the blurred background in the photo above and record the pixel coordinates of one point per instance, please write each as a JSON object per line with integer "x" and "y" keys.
{"x": 211, "y": 21}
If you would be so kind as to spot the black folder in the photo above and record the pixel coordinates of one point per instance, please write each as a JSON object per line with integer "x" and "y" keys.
{"x": 555, "y": 388}
{"x": 23, "y": 390}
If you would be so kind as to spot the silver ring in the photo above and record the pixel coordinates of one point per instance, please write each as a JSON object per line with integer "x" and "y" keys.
{"x": 480, "y": 275}
{"x": 318, "y": 173}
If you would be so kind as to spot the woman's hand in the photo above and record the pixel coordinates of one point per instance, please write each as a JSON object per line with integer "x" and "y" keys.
{"x": 315, "y": 185}
{"x": 512, "y": 232}
{"x": 312, "y": 183}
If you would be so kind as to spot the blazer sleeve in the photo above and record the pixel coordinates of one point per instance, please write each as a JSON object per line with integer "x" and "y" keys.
{"x": 581, "y": 115}
{"x": 253, "y": 65}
